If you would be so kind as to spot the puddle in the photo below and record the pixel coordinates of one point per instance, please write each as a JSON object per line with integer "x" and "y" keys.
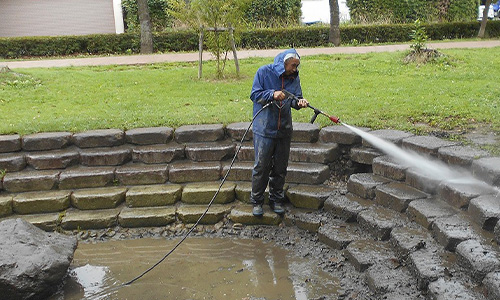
{"x": 201, "y": 268}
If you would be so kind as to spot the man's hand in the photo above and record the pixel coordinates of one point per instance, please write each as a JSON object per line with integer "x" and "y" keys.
{"x": 279, "y": 96}
{"x": 303, "y": 103}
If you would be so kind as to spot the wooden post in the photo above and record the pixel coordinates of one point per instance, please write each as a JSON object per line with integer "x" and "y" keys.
{"x": 233, "y": 45}
{"x": 200, "y": 49}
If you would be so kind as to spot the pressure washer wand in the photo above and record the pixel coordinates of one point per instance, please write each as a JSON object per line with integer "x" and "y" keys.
{"x": 334, "y": 119}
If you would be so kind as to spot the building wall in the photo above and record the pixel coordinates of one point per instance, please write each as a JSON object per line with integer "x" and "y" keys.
{"x": 56, "y": 17}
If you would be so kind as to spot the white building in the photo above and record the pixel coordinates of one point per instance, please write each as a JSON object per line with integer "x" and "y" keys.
{"x": 319, "y": 11}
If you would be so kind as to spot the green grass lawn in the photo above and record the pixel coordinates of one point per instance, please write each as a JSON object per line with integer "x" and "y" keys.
{"x": 376, "y": 90}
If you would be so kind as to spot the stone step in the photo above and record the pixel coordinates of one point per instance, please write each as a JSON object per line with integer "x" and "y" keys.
{"x": 99, "y": 138}
{"x": 487, "y": 169}
{"x": 305, "y": 132}
{"x": 46, "y": 141}
{"x": 397, "y": 196}
{"x": 451, "y": 231}
{"x": 380, "y": 221}
{"x": 459, "y": 195}
{"x": 188, "y": 171}
{"x": 364, "y": 155}
{"x": 485, "y": 211}
{"x": 387, "y": 167}
{"x": 309, "y": 196}
{"x": 109, "y": 156}
{"x": 12, "y": 162}
{"x": 54, "y": 159}
{"x": 365, "y": 184}
{"x": 90, "y": 219}
{"x": 41, "y": 202}
{"x": 303, "y": 219}
{"x": 383, "y": 279}
{"x": 425, "y": 211}
{"x": 139, "y": 174}
{"x": 86, "y": 177}
{"x": 364, "y": 253}
{"x": 427, "y": 266}
{"x": 427, "y": 145}
{"x": 158, "y": 154}
{"x": 347, "y": 207}
{"x": 203, "y": 192}
{"x": 388, "y": 135}
{"x": 153, "y": 195}
{"x": 199, "y": 133}
{"x": 243, "y": 214}
{"x": 461, "y": 156}
{"x": 340, "y": 135}
{"x": 98, "y": 198}
{"x": 214, "y": 151}
{"x": 339, "y": 235}
{"x": 189, "y": 214}
{"x": 147, "y": 216}
{"x": 26, "y": 181}
{"x": 406, "y": 240}
{"x": 149, "y": 136}
{"x": 444, "y": 289}
{"x": 479, "y": 259}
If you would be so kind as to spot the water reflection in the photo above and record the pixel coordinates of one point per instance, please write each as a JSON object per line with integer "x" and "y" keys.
{"x": 202, "y": 268}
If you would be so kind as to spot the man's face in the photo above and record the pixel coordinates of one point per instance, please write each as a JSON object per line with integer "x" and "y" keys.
{"x": 291, "y": 66}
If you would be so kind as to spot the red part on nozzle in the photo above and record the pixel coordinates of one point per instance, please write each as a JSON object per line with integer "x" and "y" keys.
{"x": 334, "y": 119}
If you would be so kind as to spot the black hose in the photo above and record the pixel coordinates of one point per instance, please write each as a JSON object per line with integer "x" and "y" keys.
{"x": 102, "y": 293}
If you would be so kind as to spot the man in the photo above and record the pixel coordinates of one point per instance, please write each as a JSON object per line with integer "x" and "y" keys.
{"x": 272, "y": 128}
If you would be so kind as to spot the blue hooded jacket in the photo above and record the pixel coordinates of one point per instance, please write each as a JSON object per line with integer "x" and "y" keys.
{"x": 276, "y": 120}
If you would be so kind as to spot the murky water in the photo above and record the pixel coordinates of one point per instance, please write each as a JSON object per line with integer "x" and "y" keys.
{"x": 201, "y": 268}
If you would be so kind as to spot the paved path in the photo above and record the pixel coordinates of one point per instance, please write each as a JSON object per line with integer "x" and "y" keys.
{"x": 193, "y": 56}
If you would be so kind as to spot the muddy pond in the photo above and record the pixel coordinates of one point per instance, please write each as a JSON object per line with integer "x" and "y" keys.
{"x": 201, "y": 268}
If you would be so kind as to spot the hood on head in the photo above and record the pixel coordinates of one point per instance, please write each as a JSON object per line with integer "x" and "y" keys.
{"x": 279, "y": 61}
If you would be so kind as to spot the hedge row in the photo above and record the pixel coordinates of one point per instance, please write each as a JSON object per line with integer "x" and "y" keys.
{"x": 263, "y": 38}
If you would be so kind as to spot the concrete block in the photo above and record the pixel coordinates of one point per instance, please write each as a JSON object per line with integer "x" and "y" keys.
{"x": 138, "y": 174}
{"x": 5, "y": 205}
{"x": 153, "y": 195}
{"x": 426, "y": 211}
{"x": 485, "y": 210}
{"x": 246, "y": 152}
{"x": 302, "y": 219}
{"x": 307, "y": 173}
{"x": 48, "y": 222}
{"x": 187, "y": 171}
{"x": 214, "y": 151}
{"x": 451, "y": 231}
{"x": 365, "y": 184}
{"x": 364, "y": 155}
{"x": 492, "y": 284}
{"x": 190, "y": 214}
{"x": 41, "y": 202}
{"x": 383, "y": 279}
{"x": 243, "y": 214}
{"x": 26, "y": 181}
{"x": 46, "y": 141}
{"x": 99, "y": 138}
{"x": 10, "y": 143}
{"x": 243, "y": 190}
{"x": 397, "y": 196}
{"x": 407, "y": 240}
{"x": 84, "y": 177}
{"x": 90, "y": 219}
{"x": 158, "y": 154}
{"x": 99, "y": 198}
{"x": 305, "y": 133}
{"x": 149, "y": 136}
{"x": 338, "y": 236}
{"x": 12, "y": 162}
{"x": 462, "y": 156}
{"x": 379, "y": 221}
{"x": 308, "y": 196}
{"x": 112, "y": 156}
{"x": 425, "y": 181}
{"x": 426, "y": 265}
{"x": 237, "y": 130}
{"x": 340, "y": 135}
{"x": 388, "y": 167}
{"x": 428, "y": 145}
{"x": 443, "y": 289}
{"x": 487, "y": 169}
{"x": 460, "y": 194}
{"x": 241, "y": 171}
{"x": 199, "y": 133}
{"x": 55, "y": 159}
{"x": 314, "y": 153}
{"x": 203, "y": 192}
{"x": 347, "y": 207}
{"x": 364, "y": 253}
{"x": 146, "y": 216}
{"x": 388, "y": 135}
{"x": 478, "y": 259}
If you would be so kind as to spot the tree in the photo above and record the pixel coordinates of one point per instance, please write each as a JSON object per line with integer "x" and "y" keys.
{"x": 482, "y": 29}
{"x": 145, "y": 21}
{"x": 212, "y": 19}
{"x": 334, "y": 36}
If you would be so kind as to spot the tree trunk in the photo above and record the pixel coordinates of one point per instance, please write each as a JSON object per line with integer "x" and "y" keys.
{"x": 145, "y": 20}
{"x": 334, "y": 36}
{"x": 482, "y": 29}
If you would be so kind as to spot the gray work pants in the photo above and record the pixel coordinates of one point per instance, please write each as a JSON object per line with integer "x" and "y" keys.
{"x": 271, "y": 161}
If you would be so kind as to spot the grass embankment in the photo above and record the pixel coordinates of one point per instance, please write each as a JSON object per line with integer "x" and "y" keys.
{"x": 376, "y": 90}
